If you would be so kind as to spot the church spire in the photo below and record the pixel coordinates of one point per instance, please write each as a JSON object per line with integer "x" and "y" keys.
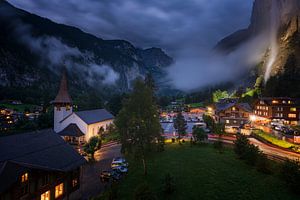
{"x": 63, "y": 96}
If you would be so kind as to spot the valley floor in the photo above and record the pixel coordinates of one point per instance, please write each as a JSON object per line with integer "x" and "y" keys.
{"x": 201, "y": 172}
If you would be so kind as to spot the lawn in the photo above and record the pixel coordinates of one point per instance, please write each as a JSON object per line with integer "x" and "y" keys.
{"x": 201, "y": 172}
{"x": 274, "y": 140}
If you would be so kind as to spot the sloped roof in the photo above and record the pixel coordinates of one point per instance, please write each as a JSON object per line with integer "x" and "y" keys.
{"x": 43, "y": 150}
{"x": 94, "y": 116}
{"x": 71, "y": 130}
{"x": 223, "y": 106}
{"x": 63, "y": 94}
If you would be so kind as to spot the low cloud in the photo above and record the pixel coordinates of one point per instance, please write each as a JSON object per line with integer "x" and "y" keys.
{"x": 54, "y": 54}
{"x": 187, "y": 30}
{"x": 192, "y": 71}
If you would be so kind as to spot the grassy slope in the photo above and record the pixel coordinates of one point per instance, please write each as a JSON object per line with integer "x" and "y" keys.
{"x": 203, "y": 173}
{"x": 274, "y": 140}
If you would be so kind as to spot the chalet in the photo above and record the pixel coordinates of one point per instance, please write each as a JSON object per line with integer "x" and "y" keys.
{"x": 232, "y": 113}
{"x": 38, "y": 165}
{"x": 280, "y": 109}
{"x": 79, "y": 126}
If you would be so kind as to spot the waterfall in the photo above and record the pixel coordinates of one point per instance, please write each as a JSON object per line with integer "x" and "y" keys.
{"x": 273, "y": 39}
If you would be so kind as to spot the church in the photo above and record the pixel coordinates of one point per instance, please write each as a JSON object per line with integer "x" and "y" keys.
{"x": 77, "y": 127}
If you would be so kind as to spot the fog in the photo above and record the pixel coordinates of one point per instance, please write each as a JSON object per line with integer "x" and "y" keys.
{"x": 54, "y": 53}
{"x": 186, "y": 30}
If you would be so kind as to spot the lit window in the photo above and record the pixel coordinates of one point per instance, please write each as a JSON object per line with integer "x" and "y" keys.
{"x": 283, "y": 101}
{"x": 24, "y": 177}
{"x": 233, "y": 109}
{"x": 227, "y": 121}
{"x": 289, "y": 102}
{"x": 267, "y": 108}
{"x": 68, "y": 107}
{"x": 274, "y": 101}
{"x": 59, "y": 190}
{"x": 46, "y": 195}
{"x": 74, "y": 182}
{"x": 293, "y": 109}
{"x": 234, "y": 121}
{"x": 292, "y": 115}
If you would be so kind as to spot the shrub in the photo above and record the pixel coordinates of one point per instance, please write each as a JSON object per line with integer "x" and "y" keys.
{"x": 263, "y": 164}
{"x": 240, "y": 145}
{"x": 199, "y": 134}
{"x": 290, "y": 173}
{"x": 251, "y": 154}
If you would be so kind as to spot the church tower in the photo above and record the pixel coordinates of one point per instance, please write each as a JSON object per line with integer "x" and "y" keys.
{"x": 62, "y": 103}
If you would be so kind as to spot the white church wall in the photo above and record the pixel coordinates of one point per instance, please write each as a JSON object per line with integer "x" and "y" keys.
{"x": 94, "y": 128}
{"x": 59, "y": 114}
{"x": 75, "y": 120}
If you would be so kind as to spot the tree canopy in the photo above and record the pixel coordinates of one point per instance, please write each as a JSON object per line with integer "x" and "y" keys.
{"x": 138, "y": 121}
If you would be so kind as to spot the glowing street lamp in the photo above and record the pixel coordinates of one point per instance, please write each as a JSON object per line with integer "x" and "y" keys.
{"x": 252, "y": 118}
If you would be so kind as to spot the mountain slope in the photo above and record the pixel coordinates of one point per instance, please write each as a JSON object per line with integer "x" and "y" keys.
{"x": 33, "y": 50}
{"x": 279, "y": 22}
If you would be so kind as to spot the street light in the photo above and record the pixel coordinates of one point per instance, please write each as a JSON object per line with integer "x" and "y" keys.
{"x": 252, "y": 118}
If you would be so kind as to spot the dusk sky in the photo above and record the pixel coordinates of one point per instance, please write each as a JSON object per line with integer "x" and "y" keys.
{"x": 186, "y": 30}
{"x": 170, "y": 24}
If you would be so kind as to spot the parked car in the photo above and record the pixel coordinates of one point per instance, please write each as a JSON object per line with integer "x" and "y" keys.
{"x": 106, "y": 175}
{"x": 119, "y": 161}
{"x": 121, "y": 169}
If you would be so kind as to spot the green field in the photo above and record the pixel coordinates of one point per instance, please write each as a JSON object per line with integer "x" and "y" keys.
{"x": 201, "y": 172}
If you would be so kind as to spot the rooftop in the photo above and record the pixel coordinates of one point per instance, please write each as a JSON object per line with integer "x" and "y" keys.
{"x": 63, "y": 94}
{"x": 94, "y": 116}
{"x": 44, "y": 150}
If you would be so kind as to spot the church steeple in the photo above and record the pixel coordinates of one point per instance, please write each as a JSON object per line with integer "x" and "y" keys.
{"x": 63, "y": 96}
{"x": 62, "y": 104}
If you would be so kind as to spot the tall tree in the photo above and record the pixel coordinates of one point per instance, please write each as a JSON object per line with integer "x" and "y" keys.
{"x": 149, "y": 81}
{"x": 138, "y": 123}
{"x": 180, "y": 125}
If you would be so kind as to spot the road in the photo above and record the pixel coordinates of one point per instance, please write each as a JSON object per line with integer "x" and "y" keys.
{"x": 91, "y": 184}
{"x": 273, "y": 151}
{"x": 269, "y": 150}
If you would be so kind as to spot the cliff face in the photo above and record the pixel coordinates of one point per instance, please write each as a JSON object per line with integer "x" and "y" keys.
{"x": 33, "y": 50}
{"x": 279, "y": 21}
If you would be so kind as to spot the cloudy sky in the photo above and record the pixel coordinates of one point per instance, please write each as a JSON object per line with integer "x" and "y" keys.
{"x": 170, "y": 24}
{"x": 181, "y": 28}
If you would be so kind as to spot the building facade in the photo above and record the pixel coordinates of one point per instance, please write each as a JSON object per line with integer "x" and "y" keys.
{"x": 233, "y": 114}
{"x": 39, "y": 165}
{"x": 279, "y": 109}
{"x": 80, "y": 126}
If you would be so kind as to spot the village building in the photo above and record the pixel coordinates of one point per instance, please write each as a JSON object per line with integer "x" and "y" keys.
{"x": 77, "y": 127}
{"x": 39, "y": 165}
{"x": 278, "y": 109}
{"x": 232, "y": 113}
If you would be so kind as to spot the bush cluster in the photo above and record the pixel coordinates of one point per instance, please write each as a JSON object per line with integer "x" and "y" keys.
{"x": 251, "y": 154}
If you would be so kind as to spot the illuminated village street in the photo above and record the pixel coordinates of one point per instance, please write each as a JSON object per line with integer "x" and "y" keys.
{"x": 150, "y": 100}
